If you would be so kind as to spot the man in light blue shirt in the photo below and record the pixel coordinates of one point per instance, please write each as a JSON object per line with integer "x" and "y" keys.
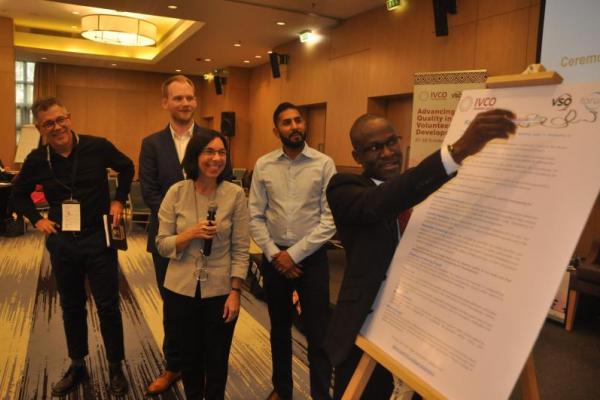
{"x": 290, "y": 221}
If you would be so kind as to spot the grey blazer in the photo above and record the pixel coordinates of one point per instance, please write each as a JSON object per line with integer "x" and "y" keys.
{"x": 180, "y": 209}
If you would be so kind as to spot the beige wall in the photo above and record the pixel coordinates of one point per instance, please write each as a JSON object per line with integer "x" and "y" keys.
{"x": 7, "y": 88}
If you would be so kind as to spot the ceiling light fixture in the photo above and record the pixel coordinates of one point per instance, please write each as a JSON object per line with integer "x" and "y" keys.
{"x": 75, "y": 12}
{"x": 257, "y": 56}
{"x": 280, "y": 23}
{"x": 208, "y": 59}
{"x": 177, "y": 70}
{"x": 118, "y": 29}
{"x": 246, "y": 61}
{"x": 237, "y": 44}
{"x": 392, "y": 4}
{"x": 172, "y": 7}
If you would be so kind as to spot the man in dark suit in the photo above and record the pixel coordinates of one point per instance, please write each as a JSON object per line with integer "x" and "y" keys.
{"x": 366, "y": 210}
{"x": 160, "y": 167}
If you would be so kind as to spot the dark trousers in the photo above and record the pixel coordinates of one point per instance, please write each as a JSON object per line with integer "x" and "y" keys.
{"x": 380, "y": 385}
{"x": 203, "y": 340}
{"x": 169, "y": 345}
{"x": 73, "y": 258}
{"x": 313, "y": 289}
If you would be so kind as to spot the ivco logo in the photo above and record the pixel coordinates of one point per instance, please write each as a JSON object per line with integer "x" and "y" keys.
{"x": 563, "y": 101}
{"x": 439, "y": 95}
{"x": 484, "y": 103}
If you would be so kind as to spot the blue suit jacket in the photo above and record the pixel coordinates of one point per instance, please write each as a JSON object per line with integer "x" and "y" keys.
{"x": 159, "y": 169}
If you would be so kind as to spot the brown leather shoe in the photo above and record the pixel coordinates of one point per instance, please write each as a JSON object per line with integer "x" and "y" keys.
{"x": 163, "y": 382}
{"x": 274, "y": 396}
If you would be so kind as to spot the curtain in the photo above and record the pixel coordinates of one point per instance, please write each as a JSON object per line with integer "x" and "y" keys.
{"x": 44, "y": 80}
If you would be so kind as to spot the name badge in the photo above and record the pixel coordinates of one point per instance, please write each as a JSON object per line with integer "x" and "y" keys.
{"x": 71, "y": 216}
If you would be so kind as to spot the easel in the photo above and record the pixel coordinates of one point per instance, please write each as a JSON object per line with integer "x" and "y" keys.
{"x": 534, "y": 75}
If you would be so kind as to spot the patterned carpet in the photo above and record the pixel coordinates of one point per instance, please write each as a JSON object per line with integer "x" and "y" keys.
{"x": 32, "y": 345}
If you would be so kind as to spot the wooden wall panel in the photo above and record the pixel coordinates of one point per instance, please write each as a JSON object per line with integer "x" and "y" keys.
{"x": 467, "y": 11}
{"x": 235, "y": 98}
{"x": 8, "y": 140}
{"x": 123, "y": 106}
{"x": 305, "y": 80}
{"x": 376, "y": 54}
{"x": 488, "y": 8}
{"x": 502, "y": 43}
{"x": 316, "y": 120}
{"x": 265, "y": 95}
{"x": 349, "y": 79}
{"x": 532, "y": 34}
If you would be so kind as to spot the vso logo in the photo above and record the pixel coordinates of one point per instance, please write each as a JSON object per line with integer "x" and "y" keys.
{"x": 563, "y": 101}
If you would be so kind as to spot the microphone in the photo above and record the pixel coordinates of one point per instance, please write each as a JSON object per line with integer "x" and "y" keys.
{"x": 212, "y": 212}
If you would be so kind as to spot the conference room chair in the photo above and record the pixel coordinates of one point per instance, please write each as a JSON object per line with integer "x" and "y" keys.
{"x": 584, "y": 280}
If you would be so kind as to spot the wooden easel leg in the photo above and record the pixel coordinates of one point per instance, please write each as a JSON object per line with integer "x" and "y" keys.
{"x": 571, "y": 309}
{"x": 528, "y": 381}
{"x": 360, "y": 378}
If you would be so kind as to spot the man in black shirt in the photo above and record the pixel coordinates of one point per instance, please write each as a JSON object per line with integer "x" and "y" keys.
{"x": 72, "y": 168}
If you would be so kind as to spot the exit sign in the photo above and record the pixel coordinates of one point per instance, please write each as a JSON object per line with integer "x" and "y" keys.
{"x": 391, "y": 4}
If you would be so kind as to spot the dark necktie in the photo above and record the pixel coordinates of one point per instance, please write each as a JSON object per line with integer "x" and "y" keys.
{"x": 403, "y": 219}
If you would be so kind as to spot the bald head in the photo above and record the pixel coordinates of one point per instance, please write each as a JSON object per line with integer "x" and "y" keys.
{"x": 366, "y": 126}
{"x": 376, "y": 146}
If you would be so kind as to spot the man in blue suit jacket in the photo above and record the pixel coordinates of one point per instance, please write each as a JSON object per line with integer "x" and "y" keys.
{"x": 160, "y": 167}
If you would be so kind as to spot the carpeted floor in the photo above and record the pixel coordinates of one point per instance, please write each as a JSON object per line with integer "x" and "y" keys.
{"x": 33, "y": 350}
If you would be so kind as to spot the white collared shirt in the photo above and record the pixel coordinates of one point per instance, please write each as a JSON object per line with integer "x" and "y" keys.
{"x": 181, "y": 141}
{"x": 288, "y": 205}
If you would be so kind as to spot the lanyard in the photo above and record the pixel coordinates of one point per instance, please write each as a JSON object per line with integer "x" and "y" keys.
{"x": 73, "y": 172}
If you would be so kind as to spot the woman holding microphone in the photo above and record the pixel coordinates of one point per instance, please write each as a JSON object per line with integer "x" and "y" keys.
{"x": 204, "y": 232}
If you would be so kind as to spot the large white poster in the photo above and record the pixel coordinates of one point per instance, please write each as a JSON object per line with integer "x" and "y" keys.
{"x": 479, "y": 264}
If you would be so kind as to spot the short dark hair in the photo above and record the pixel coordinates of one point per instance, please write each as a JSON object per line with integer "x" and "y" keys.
{"x": 359, "y": 126}
{"x": 195, "y": 146}
{"x": 43, "y": 104}
{"x": 164, "y": 88}
{"x": 281, "y": 108}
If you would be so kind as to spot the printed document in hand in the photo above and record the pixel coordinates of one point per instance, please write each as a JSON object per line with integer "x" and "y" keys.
{"x": 473, "y": 277}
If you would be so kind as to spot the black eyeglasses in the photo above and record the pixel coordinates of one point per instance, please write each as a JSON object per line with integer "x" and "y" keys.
{"x": 376, "y": 148}
{"x": 50, "y": 123}
{"x": 213, "y": 152}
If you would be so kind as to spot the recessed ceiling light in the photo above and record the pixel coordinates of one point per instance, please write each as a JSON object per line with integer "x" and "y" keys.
{"x": 75, "y": 13}
{"x": 247, "y": 61}
{"x": 280, "y": 23}
{"x": 177, "y": 70}
{"x": 172, "y": 7}
{"x": 269, "y": 52}
{"x": 208, "y": 59}
{"x": 73, "y": 26}
{"x": 237, "y": 44}
{"x": 257, "y": 56}
{"x": 44, "y": 58}
{"x": 113, "y": 65}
